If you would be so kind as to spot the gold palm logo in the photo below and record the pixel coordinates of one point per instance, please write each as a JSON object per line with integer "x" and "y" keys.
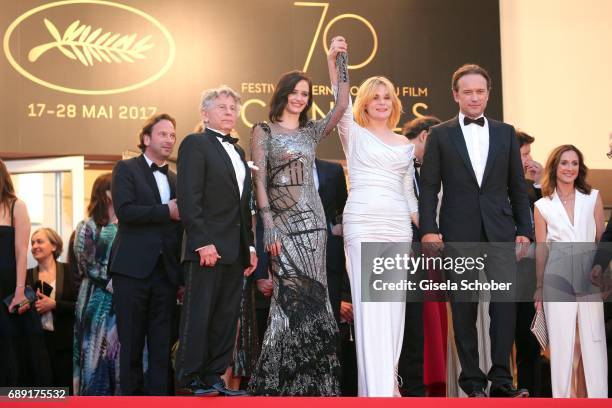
{"x": 79, "y": 42}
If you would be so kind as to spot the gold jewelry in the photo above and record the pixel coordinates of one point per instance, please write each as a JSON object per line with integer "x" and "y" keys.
{"x": 566, "y": 199}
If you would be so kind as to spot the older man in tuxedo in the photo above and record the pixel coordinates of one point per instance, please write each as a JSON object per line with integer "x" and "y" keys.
{"x": 213, "y": 189}
{"x": 145, "y": 258}
{"x": 477, "y": 160}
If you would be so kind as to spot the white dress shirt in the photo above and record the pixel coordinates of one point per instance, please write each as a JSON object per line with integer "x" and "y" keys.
{"x": 162, "y": 183}
{"x": 238, "y": 165}
{"x": 236, "y": 160}
{"x": 477, "y": 143}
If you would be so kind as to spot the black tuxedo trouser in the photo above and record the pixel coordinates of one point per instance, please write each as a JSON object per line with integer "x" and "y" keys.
{"x": 498, "y": 267}
{"x": 410, "y": 366}
{"x": 527, "y": 349}
{"x": 209, "y": 319}
{"x": 145, "y": 310}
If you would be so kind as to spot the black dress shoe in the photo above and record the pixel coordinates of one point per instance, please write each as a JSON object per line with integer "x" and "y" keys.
{"x": 477, "y": 393}
{"x": 197, "y": 388}
{"x": 508, "y": 391}
{"x": 222, "y": 390}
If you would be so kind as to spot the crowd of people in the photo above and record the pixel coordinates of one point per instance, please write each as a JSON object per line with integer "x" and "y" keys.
{"x": 242, "y": 275}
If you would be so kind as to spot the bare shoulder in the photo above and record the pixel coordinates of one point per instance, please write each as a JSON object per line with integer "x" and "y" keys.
{"x": 21, "y": 209}
{"x": 20, "y": 206}
{"x": 399, "y": 139}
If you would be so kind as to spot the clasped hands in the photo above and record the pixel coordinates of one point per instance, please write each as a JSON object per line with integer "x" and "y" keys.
{"x": 209, "y": 257}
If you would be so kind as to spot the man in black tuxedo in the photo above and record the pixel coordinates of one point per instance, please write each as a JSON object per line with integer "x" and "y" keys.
{"x": 145, "y": 258}
{"x": 531, "y": 168}
{"x": 331, "y": 184}
{"x": 603, "y": 261}
{"x": 477, "y": 160}
{"x": 213, "y": 189}
{"x": 527, "y": 347}
{"x": 410, "y": 366}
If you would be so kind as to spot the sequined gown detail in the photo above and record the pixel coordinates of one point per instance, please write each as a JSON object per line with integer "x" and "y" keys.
{"x": 298, "y": 355}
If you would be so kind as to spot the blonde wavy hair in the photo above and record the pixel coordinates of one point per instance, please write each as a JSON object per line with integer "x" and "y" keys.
{"x": 366, "y": 93}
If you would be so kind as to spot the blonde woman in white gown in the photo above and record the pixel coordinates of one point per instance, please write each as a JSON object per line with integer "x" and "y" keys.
{"x": 571, "y": 211}
{"x": 380, "y": 207}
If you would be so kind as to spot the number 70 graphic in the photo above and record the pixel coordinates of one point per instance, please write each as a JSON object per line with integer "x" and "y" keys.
{"x": 325, "y": 6}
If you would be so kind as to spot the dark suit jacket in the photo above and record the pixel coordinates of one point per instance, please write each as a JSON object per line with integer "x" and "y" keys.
{"x": 533, "y": 193}
{"x": 500, "y": 206}
{"x": 604, "y": 254}
{"x": 65, "y": 298}
{"x": 212, "y": 210}
{"x": 333, "y": 194}
{"x": 145, "y": 228}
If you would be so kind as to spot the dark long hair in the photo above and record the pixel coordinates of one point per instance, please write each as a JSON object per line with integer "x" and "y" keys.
{"x": 286, "y": 85}
{"x": 99, "y": 201}
{"x": 549, "y": 178}
{"x": 7, "y": 191}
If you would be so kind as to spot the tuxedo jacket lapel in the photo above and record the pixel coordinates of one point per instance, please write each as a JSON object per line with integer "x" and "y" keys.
{"x": 322, "y": 177}
{"x": 494, "y": 148}
{"x": 247, "y": 173}
{"x": 459, "y": 142}
{"x": 172, "y": 183}
{"x": 226, "y": 159}
{"x": 148, "y": 175}
{"x": 417, "y": 183}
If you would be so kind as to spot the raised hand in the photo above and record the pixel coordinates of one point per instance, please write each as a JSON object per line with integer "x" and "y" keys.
{"x": 338, "y": 45}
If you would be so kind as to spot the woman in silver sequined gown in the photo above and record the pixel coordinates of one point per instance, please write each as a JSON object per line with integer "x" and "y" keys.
{"x": 298, "y": 355}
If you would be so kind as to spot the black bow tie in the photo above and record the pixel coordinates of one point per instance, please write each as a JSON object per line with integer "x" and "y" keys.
{"x": 228, "y": 139}
{"x": 162, "y": 169}
{"x": 417, "y": 163}
{"x": 479, "y": 121}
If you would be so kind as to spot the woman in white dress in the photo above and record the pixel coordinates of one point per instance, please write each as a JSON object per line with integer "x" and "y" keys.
{"x": 380, "y": 207}
{"x": 570, "y": 211}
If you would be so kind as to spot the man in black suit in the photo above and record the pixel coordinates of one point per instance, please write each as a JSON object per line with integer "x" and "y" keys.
{"x": 477, "y": 160}
{"x": 603, "y": 262}
{"x": 527, "y": 347}
{"x": 331, "y": 185}
{"x": 145, "y": 258}
{"x": 411, "y": 361}
{"x": 214, "y": 189}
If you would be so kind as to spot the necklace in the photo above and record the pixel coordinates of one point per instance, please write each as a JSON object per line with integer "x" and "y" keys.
{"x": 565, "y": 199}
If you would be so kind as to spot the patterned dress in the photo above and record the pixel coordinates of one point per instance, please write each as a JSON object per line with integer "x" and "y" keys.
{"x": 96, "y": 345}
{"x": 298, "y": 354}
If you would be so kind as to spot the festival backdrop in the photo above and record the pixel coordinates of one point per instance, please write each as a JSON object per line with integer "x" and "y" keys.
{"x": 81, "y": 76}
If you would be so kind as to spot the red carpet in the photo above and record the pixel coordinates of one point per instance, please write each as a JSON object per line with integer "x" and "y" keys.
{"x": 252, "y": 402}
